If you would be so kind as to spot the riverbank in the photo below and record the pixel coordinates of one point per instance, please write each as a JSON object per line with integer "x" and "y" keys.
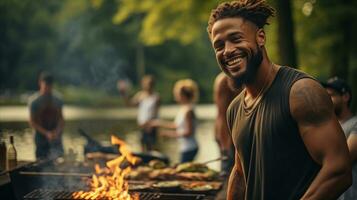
{"x": 21, "y": 113}
{"x": 101, "y": 123}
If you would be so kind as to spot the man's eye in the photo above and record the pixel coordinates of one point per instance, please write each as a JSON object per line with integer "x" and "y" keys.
{"x": 218, "y": 47}
{"x": 236, "y": 39}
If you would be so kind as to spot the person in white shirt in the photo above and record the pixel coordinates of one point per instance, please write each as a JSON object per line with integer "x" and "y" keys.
{"x": 148, "y": 102}
{"x": 184, "y": 126}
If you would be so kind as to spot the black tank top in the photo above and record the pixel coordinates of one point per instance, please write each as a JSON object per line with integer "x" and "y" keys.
{"x": 276, "y": 164}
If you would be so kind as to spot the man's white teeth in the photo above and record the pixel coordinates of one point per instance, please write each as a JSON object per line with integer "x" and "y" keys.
{"x": 234, "y": 61}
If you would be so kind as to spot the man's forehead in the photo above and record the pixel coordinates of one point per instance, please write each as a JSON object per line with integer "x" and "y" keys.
{"x": 232, "y": 24}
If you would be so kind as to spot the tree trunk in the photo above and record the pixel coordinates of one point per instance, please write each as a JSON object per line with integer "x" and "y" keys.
{"x": 286, "y": 47}
{"x": 340, "y": 64}
{"x": 342, "y": 50}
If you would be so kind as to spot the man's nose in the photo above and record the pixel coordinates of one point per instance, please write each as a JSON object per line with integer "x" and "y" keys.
{"x": 229, "y": 49}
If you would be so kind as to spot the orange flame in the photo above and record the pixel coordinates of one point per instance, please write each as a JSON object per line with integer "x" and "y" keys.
{"x": 110, "y": 183}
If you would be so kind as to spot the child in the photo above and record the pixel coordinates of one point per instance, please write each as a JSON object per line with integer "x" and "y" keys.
{"x": 184, "y": 127}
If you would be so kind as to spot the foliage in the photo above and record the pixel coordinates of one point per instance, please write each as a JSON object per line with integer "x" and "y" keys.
{"x": 92, "y": 44}
{"x": 320, "y": 34}
{"x": 166, "y": 19}
{"x": 325, "y": 38}
{"x": 27, "y": 32}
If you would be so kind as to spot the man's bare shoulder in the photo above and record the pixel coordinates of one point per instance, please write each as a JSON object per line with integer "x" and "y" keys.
{"x": 220, "y": 81}
{"x": 222, "y": 86}
{"x": 309, "y": 102}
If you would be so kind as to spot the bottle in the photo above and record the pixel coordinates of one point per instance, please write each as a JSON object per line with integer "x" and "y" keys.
{"x": 11, "y": 155}
{"x": 2, "y": 155}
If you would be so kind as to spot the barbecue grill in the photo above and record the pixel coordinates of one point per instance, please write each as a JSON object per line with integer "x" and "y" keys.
{"x": 43, "y": 181}
{"x": 66, "y": 195}
{"x": 45, "y": 174}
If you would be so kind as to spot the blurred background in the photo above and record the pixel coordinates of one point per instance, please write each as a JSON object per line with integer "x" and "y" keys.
{"x": 91, "y": 44}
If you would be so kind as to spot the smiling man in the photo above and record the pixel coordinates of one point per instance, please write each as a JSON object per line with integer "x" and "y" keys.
{"x": 288, "y": 142}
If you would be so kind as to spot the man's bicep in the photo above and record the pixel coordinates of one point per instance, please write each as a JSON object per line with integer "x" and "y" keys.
{"x": 312, "y": 109}
{"x": 310, "y": 105}
{"x": 325, "y": 142}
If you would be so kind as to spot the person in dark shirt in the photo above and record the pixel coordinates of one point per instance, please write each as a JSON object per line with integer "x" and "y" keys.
{"x": 288, "y": 142}
{"x": 47, "y": 119}
{"x": 341, "y": 96}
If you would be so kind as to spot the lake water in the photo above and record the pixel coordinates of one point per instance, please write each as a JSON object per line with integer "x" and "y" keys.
{"x": 102, "y": 128}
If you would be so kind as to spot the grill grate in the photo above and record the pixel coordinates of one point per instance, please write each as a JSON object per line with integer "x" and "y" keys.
{"x": 45, "y": 194}
{"x": 48, "y": 194}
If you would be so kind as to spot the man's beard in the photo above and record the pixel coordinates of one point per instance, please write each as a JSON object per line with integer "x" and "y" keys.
{"x": 253, "y": 65}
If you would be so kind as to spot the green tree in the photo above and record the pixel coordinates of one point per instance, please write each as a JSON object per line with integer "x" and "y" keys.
{"x": 324, "y": 32}
{"x": 167, "y": 19}
{"x": 26, "y": 38}
{"x": 285, "y": 34}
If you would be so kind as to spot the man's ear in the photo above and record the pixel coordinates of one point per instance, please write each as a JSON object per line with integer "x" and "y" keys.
{"x": 260, "y": 37}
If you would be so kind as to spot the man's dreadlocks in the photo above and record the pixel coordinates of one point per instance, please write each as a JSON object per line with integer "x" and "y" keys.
{"x": 256, "y": 11}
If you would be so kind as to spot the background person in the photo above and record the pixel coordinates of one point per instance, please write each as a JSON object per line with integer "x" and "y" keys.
{"x": 341, "y": 96}
{"x": 289, "y": 144}
{"x": 148, "y": 102}
{"x": 184, "y": 127}
{"x": 47, "y": 119}
{"x": 223, "y": 93}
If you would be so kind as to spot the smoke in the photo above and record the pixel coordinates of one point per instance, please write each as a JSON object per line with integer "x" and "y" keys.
{"x": 106, "y": 69}
{"x": 86, "y": 58}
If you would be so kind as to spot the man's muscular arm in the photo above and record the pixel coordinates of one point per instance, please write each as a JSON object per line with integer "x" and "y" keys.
{"x": 323, "y": 137}
{"x": 236, "y": 184}
{"x": 223, "y": 94}
{"x": 221, "y": 100}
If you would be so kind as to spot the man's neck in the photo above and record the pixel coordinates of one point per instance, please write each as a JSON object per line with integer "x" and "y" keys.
{"x": 263, "y": 78}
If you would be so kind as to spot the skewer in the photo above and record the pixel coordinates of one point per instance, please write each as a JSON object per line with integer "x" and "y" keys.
{"x": 55, "y": 174}
{"x": 216, "y": 159}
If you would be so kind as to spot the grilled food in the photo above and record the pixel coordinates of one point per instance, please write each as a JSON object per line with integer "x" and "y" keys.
{"x": 157, "y": 164}
{"x": 192, "y": 167}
